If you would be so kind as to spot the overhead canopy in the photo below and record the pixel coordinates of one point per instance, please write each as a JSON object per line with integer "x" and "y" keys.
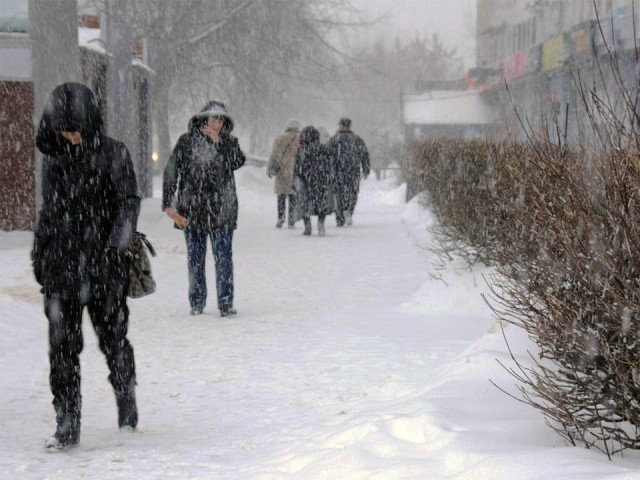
{"x": 446, "y": 107}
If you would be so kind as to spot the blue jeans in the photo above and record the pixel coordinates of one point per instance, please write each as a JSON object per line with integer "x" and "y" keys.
{"x": 221, "y": 244}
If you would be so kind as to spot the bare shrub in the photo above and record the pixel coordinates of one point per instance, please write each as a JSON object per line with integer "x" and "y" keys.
{"x": 562, "y": 225}
{"x": 470, "y": 191}
{"x": 577, "y": 297}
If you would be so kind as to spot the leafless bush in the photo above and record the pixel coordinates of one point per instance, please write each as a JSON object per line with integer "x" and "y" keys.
{"x": 576, "y": 294}
{"x": 563, "y": 227}
{"x": 470, "y": 190}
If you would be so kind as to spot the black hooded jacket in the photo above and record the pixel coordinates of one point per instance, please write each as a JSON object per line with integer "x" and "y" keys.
{"x": 90, "y": 203}
{"x": 199, "y": 178}
{"x": 314, "y": 174}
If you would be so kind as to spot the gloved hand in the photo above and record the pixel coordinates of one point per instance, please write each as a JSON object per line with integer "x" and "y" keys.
{"x": 36, "y": 262}
{"x": 37, "y": 269}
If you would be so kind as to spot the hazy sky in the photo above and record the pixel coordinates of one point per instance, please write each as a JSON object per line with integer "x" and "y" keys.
{"x": 452, "y": 20}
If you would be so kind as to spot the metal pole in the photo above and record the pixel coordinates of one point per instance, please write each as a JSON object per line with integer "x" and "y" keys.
{"x": 55, "y": 54}
{"x": 120, "y": 77}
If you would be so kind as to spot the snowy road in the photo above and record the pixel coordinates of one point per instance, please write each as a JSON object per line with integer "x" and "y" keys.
{"x": 347, "y": 361}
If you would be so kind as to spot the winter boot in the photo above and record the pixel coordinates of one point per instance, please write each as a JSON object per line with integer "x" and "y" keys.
{"x": 127, "y": 408}
{"x": 227, "y": 310}
{"x": 280, "y": 223}
{"x": 321, "y": 231}
{"x": 67, "y": 433}
{"x": 307, "y": 226}
{"x": 347, "y": 219}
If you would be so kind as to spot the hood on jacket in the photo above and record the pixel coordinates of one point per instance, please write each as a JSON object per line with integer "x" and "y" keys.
{"x": 70, "y": 107}
{"x": 213, "y": 108}
{"x": 309, "y": 135}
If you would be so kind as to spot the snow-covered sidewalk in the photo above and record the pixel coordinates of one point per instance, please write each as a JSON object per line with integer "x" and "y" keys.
{"x": 347, "y": 360}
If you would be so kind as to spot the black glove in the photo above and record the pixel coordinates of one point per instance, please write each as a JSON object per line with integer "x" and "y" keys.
{"x": 36, "y": 262}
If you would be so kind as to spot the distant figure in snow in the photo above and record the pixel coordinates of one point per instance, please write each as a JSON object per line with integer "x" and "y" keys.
{"x": 324, "y": 135}
{"x": 199, "y": 194}
{"x": 88, "y": 218}
{"x": 280, "y": 165}
{"x": 381, "y": 152}
{"x": 313, "y": 180}
{"x": 352, "y": 163}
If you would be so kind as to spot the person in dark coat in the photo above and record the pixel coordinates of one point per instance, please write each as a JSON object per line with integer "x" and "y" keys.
{"x": 352, "y": 163}
{"x": 90, "y": 208}
{"x": 313, "y": 179}
{"x": 199, "y": 192}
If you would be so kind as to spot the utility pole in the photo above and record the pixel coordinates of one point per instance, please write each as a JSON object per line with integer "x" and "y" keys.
{"x": 55, "y": 54}
{"x": 119, "y": 40}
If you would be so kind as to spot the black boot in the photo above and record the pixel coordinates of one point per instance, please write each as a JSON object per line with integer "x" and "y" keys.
{"x": 67, "y": 433}
{"x": 127, "y": 408}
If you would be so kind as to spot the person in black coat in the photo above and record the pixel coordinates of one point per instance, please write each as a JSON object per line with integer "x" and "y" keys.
{"x": 352, "y": 163}
{"x": 313, "y": 179}
{"x": 199, "y": 193}
{"x": 90, "y": 208}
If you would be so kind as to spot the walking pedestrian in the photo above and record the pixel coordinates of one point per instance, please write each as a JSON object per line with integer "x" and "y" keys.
{"x": 313, "y": 180}
{"x": 352, "y": 164}
{"x": 199, "y": 194}
{"x": 88, "y": 218}
{"x": 280, "y": 165}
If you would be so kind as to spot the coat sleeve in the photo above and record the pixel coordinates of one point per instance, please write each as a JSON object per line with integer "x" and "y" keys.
{"x": 275, "y": 151}
{"x": 236, "y": 155}
{"x": 48, "y": 214}
{"x": 127, "y": 200}
{"x": 364, "y": 157}
{"x": 170, "y": 174}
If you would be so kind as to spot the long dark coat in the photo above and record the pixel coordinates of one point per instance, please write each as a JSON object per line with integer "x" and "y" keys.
{"x": 313, "y": 175}
{"x": 90, "y": 201}
{"x": 200, "y": 174}
{"x": 351, "y": 156}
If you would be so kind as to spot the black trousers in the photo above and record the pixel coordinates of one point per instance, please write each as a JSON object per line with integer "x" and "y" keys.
{"x": 347, "y": 197}
{"x": 281, "y": 207}
{"x": 307, "y": 221}
{"x": 110, "y": 319}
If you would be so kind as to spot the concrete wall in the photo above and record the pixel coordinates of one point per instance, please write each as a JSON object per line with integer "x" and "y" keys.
{"x": 17, "y": 161}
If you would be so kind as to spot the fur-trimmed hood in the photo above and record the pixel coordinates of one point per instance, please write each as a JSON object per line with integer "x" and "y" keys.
{"x": 213, "y": 108}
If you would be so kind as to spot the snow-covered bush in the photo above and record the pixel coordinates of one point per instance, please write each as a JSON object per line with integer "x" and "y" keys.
{"x": 563, "y": 229}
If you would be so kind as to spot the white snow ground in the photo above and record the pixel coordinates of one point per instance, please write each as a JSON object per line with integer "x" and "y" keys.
{"x": 348, "y": 360}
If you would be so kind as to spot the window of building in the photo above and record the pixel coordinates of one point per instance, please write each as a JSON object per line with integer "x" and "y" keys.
{"x": 14, "y": 16}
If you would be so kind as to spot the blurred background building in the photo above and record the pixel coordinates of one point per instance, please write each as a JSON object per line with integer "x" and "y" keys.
{"x": 47, "y": 42}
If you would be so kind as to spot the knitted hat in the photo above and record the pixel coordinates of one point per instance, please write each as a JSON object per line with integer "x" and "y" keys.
{"x": 292, "y": 124}
{"x": 345, "y": 122}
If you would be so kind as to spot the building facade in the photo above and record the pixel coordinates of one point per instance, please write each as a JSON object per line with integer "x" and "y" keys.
{"x": 540, "y": 61}
{"x": 18, "y": 110}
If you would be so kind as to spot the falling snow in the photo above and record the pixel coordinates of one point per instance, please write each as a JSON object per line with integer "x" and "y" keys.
{"x": 348, "y": 360}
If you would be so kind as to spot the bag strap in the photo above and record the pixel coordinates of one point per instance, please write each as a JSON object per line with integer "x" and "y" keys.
{"x": 282, "y": 155}
{"x": 147, "y": 243}
{"x": 287, "y": 149}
